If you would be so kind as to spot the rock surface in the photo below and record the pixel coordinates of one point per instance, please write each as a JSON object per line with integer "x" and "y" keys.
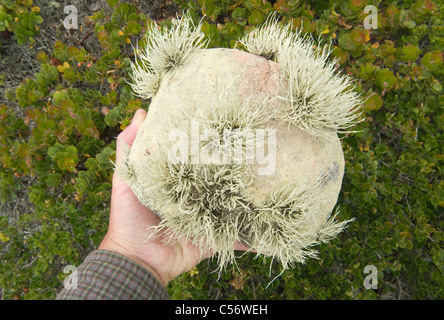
{"x": 187, "y": 92}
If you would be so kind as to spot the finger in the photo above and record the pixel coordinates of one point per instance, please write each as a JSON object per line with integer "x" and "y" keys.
{"x": 126, "y": 138}
{"x": 129, "y": 134}
{"x": 242, "y": 247}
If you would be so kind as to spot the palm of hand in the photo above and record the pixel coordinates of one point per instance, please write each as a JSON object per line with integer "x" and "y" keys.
{"x": 129, "y": 222}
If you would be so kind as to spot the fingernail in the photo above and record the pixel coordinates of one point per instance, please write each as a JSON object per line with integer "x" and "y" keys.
{"x": 139, "y": 117}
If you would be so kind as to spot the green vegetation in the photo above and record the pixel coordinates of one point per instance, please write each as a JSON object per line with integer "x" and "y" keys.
{"x": 78, "y": 102}
{"x": 21, "y": 18}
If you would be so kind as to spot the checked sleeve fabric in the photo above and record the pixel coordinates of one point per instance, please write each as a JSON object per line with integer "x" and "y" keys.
{"x": 106, "y": 275}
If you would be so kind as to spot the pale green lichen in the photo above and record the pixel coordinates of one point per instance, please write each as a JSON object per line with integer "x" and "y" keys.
{"x": 166, "y": 49}
{"x": 228, "y": 122}
{"x": 267, "y": 39}
{"x": 209, "y": 205}
{"x": 213, "y": 211}
{"x": 284, "y": 226}
{"x": 317, "y": 98}
{"x": 208, "y": 199}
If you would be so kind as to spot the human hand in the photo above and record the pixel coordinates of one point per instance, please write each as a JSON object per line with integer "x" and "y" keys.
{"x": 129, "y": 220}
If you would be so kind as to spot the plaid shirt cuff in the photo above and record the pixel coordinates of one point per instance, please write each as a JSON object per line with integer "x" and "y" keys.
{"x": 106, "y": 275}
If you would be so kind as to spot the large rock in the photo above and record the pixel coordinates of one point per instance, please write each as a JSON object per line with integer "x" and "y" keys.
{"x": 188, "y": 93}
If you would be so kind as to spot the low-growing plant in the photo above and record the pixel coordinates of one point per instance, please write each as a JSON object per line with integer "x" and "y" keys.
{"x": 79, "y": 101}
{"x": 20, "y": 17}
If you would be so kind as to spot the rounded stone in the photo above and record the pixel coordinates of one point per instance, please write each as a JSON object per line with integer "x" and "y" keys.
{"x": 186, "y": 91}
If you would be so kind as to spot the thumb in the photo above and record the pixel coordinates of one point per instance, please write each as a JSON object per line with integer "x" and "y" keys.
{"x": 129, "y": 134}
{"x": 138, "y": 119}
{"x": 126, "y": 138}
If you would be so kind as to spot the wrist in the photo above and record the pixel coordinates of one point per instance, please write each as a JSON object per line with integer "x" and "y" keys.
{"x": 111, "y": 245}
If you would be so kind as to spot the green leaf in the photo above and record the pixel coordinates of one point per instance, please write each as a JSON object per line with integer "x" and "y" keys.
{"x": 71, "y": 149}
{"x": 106, "y": 158}
{"x": 312, "y": 266}
{"x": 432, "y": 60}
{"x": 359, "y": 36}
{"x": 256, "y": 17}
{"x": 346, "y": 42}
{"x": 81, "y": 186}
{"x": 134, "y": 27}
{"x": 112, "y": 3}
{"x": 437, "y": 86}
{"x": 42, "y": 265}
{"x": 239, "y": 16}
{"x": 52, "y": 151}
{"x": 60, "y": 96}
{"x": 410, "y": 24}
{"x": 374, "y": 102}
{"x": 53, "y": 179}
{"x": 253, "y": 4}
{"x": 340, "y": 54}
{"x": 36, "y": 196}
{"x": 38, "y": 19}
{"x": 410, "y": 52}
{"x": 386, "y": 79}
{"x": 67, "y": 161}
